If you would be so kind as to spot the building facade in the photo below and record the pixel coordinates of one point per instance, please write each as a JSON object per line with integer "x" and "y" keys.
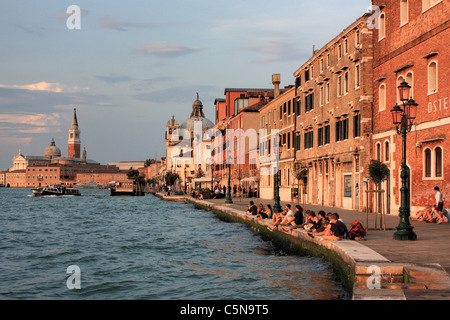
{"x": 411, "y": 44}
{"x": 334, "y": 118}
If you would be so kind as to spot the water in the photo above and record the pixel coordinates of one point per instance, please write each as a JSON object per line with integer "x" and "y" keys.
{"x": 144, "y": 248}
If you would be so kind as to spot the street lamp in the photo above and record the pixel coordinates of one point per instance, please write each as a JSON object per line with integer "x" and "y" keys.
{"x": 277, "y": 207}
{"x": 228, "y": 200}
{"x": 212, "y": 177}
{"x": 403, "y": 119}
{"x": 185, "y": 179}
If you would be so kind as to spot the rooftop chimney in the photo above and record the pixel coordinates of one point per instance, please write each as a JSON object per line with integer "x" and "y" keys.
{"x": 276, "y": 85}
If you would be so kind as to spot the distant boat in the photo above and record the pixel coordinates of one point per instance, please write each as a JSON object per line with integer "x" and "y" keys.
{"x": 55, "y": 191}
{"x": 123, "y": 188}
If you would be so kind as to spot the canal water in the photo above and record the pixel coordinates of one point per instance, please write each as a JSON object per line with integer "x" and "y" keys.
{"x": 143, "y": 248}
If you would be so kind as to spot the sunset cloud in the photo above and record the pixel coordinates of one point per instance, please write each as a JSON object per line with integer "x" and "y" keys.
{"x": 44, "y": 86}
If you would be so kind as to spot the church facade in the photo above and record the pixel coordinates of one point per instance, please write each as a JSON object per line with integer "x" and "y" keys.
{"x": 52, "y": 168}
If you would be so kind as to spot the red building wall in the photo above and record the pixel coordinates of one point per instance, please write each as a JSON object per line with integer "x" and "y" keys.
{"x": 406, "y": 52}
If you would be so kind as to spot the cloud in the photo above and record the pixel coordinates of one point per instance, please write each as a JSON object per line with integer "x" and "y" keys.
{"x": 44, "y": 86}
{"x": 114, "y": 78}
{"x": 162, "y": 49}
{"x": 274, "y": 51}
{"x": 114, "y": 23}
{"x": 38, "y": 119}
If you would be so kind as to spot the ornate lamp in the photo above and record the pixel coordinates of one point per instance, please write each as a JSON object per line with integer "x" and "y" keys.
{"x": 403, "y": 119}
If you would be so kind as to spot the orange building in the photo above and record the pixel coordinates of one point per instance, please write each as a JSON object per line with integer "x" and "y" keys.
{"x": 411, "y": 44}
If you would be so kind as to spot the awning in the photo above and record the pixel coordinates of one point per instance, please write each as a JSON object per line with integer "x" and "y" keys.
{"x": 251, "y": 179}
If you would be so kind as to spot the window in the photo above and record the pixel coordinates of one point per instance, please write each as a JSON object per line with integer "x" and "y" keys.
{"x": 298, "y": 140}
{"x": 403, "y": 12}
{"x": 340, "y": 51}
{"x": 306, "y": 75}
{"x": 427, "y": 4}
{"x": 346, "y": 46}
{"x": 346, "y": 82}
{"x": 357, "y": 75}
{"x": 328, "y": 60}
{"x": 438, "y": 161}
{"x": 400, "y": 79}
{"x": 327, "y": 135}
{"x": 309, "y": 139}
{"x": 321, "y": 65}
{"x": 328, "y": 92}
{"x": 427, "y": 163}
{"x": 358, "y": 37}
{"x": 432, "y": 77}
{"x": 299, "y": 107}
{"x": 357, "y": 125}
{"x": 410, "y": 80}
{"x": 342, "y": 130}
{"x": 320, "y": 137}
{"x": 386, "y": 151}
{"x": 322, "y": 95}
{"x": 339, "y": 93}
{"x": 309, "y": 102}
{"x": 382, "y": 97}
{"x": 382, "y": 27}
{"x": 378, "y": 151}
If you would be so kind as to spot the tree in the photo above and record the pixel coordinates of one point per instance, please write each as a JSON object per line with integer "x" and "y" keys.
{"x": 378, "y": 172}
{"x": 170, "y": 178}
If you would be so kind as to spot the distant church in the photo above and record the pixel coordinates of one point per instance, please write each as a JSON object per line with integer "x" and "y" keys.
{"x": 53, "y": 168}
{"x": 182, "y": 155}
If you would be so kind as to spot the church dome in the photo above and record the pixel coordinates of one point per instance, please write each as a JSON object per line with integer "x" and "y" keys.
{"x": 197, "y": 115}
{"x": 52, "y": 151}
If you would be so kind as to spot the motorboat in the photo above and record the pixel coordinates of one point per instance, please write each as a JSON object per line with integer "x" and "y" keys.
{"x": 55, "y": 191}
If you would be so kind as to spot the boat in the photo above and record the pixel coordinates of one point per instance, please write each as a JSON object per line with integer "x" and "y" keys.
{"x": 55, "y": 191}
{"x": 123, "y": 188}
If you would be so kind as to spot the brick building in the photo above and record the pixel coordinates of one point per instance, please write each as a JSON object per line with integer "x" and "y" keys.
{"x": 278, "y": 121}
{"x": 411, "y": 44}
{"x": 334, "y": 118}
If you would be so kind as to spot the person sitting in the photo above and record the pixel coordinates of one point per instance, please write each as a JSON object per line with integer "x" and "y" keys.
{"x": 312, "y": 220}
{"x": 252, "y": 210}
{"x": 423, "y": 215}
{"x": 269, "y": 211}
{"x": 337, "y": 230}
{"x": 288, "y": 217}
{"x": 322, "y": 230}
{"x": 297, "y": 222}
{"x": 261, "y": 212}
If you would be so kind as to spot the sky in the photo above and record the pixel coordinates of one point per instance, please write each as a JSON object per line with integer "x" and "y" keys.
{"x": 128, "y": 66}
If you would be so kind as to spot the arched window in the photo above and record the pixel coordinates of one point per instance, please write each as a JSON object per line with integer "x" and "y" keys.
{"x": 386, "y": 151}
{"x": 400, "y": 79}
{"x": 382, "y": 30}
{"x": 410, "y": 80}
{"x": 427, "y": 163}
{"x": 438, "y": 161}
{"x": 432, "y": 77}
{"x": 382, "y": 97}
{"x": 378, "y": 151}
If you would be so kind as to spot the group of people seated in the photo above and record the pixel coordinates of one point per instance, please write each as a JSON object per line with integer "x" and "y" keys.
{"x": 329, "y": 226}
{"x": 431, "y": 215}
{"x": 436, "y": 213}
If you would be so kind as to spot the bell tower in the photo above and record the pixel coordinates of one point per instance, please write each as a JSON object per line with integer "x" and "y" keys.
{"x": 74, "y": 142}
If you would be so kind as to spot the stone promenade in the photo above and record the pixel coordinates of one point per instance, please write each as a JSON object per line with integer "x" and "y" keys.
{"x": 426, "y": 260}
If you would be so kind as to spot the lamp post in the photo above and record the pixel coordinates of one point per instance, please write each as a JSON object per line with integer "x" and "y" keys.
{"x": 228, "y": 200}
{"x": 403, "y": 119}
{"x": 185, "y": 179}
{"x": 212, "y": 177}
{"x": 277, "y": 207}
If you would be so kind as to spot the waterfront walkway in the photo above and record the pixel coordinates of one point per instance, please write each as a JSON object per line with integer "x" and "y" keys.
{"x": 427, "y": 259}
